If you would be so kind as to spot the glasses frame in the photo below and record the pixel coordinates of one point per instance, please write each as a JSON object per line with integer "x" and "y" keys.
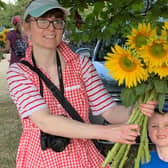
{"x": 49, "y": 22}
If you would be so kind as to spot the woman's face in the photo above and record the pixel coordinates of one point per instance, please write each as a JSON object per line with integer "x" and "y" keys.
{"x": 45, "y": 37}
{"x": 158, "y": 129}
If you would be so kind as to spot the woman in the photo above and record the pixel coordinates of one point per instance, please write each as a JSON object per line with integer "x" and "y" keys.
{"x": 44, "y": 24}
{"x": 12, "y": 37}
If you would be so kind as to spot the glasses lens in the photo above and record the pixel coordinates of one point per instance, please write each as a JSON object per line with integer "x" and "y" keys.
{"x": 43, "y": 24}
{"x": 58, "y": 24}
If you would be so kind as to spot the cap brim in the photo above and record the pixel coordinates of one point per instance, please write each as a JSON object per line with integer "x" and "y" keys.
{"x": 39, "y": 12}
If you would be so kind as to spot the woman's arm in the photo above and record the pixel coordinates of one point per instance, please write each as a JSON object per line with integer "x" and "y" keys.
{"x": 117, "y": 114}
{"x": 101, "y": 101}
{"x": 30, "y": 104}
{"x": 62, "y": 126}
{"x": 120, "y": 113}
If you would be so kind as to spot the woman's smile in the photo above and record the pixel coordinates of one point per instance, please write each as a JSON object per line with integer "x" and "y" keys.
{"x": 50, "y": 36}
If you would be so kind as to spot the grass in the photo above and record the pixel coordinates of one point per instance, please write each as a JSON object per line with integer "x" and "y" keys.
{"x": 10, "y": 129}
{"x": 10, "y": 126}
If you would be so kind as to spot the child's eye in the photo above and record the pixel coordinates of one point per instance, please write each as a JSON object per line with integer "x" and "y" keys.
{"x": 154, "y": 126}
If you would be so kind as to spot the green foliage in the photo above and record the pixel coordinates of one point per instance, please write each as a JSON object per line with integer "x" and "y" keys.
{"x": 161, "y": 86}
{"x": 1, "y": 56}
{"x": 128, "y": 96}
{"x": 2, "y": 5}
{"x": 11, "y": 10}
{"x": 116, "y": 16}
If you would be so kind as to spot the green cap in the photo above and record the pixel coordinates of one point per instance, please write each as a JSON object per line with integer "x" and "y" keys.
{"x": 39, "y": 7}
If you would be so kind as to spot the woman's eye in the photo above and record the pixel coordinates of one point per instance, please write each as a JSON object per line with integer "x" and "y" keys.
{"x": 57, "y": 21}
{"x": 43, "y": 21}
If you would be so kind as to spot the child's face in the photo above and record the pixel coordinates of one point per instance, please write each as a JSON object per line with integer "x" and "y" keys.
{"x": 158, "y": 129}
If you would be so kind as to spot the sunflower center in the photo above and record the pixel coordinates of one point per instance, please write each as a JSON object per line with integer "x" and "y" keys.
{"x": 140, "y": 40}
{"x": 127, "y": 64}
{"x": 157, "y": 50}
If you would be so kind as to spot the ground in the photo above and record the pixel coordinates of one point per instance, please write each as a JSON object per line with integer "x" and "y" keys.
{"x": 10, "y": 126}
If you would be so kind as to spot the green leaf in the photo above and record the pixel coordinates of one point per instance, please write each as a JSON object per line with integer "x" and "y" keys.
{"x": 161, "y": 86}
{"x": 98, "y": 8}
{"x": 128, "y": 96}
{"x": 140, "y": 89}
{"x": 161, "y": 99}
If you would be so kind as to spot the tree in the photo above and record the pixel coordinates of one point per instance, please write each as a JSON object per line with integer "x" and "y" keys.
{"x": 10, "y": 10}
{"x": 89, "y": 17}
{"x": 2, "y": 4}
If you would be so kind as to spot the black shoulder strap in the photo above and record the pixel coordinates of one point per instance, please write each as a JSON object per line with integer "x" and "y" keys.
{"x": 55, "y": 91}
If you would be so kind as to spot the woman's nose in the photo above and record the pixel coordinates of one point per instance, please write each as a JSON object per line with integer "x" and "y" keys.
{"x": 51, "y": 26}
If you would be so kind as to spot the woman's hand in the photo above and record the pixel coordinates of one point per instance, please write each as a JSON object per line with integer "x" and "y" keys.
{"x": 148, "y": 108}
{"x": 123, "y": 134}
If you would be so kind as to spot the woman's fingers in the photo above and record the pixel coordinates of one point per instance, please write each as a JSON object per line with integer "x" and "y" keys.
{"x": 148, "y": 108}
{"x": 131, "y": 134}
{"x": 125, "y": 134}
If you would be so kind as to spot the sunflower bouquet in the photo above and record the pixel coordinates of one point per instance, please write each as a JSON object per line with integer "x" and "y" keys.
{"x": 141, "y": 65}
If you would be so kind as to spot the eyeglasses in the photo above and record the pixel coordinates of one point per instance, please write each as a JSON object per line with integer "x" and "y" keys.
{"x": 44, "y": 23}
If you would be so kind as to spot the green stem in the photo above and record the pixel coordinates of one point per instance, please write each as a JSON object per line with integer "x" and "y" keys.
{"x": 142, "y": 143}
{"x": 146, "y": 148}
{"x": 136, "y": 111}
{"x": 119, "y": 155}
{"x": 111, "y": 154}
{"x": 116, "y": 153}
{"x": 143, "y": 152}
{"x": 125, "y": 157}
{"x": 134, "y": 115}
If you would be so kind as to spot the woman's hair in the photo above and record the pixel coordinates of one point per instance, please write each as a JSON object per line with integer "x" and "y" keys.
{"x": 16, "y": 21}
{"x": 18, "y": 27}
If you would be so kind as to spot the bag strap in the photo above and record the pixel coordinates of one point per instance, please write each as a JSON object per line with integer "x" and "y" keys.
{"x": 59, "y": 96}
{"x": 55, "y": 91}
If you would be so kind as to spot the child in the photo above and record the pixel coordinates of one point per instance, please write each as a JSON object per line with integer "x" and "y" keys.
{"x": 158, "y": 132}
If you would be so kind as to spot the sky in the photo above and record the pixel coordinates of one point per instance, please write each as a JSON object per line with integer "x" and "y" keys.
{"x": 9, "y": 1}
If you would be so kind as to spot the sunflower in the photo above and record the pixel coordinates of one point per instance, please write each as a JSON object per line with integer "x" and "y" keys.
{"x": 155, "y": 52}
{"x": 5, "y": 31}
{"x": 162, "y": 71}
{"x": 2, "y": 37}
{"x": 124, "y": 67}
{"x": 140, "y": 36}
{"x": 164, "y": 33}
